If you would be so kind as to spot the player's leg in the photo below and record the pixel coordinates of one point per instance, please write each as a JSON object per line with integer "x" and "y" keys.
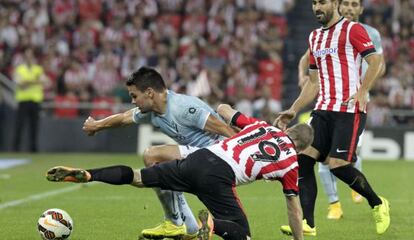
{"x": 167, "y": 198}
{"x": 164, "y": 175}
{"x": 329, "y": 185}
{"x": 115, "y": 175}
{"x": 121, "y": 175}
{"x": 358, "y": 162}
{"x": 186, "y": 213}
{"x": 229, "y": 219}
{"x": 356, "y": 197}
{"x": 307, "y": 159}
{"x": 340, "y": 164}
{"x": 213, "y": 182}
{"x": 176, "y": 209}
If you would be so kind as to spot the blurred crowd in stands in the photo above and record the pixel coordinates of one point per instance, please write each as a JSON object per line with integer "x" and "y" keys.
{"x": 220, "y": 50}
{"x": 394, "y": 19}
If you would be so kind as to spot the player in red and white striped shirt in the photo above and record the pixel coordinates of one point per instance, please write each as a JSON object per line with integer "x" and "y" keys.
{"x": 336, "y": 53}
{"x": 258, "y": 151}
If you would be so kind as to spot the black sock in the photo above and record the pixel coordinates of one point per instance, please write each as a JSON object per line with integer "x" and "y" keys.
{"x": 357, "y": 181}
{"x": 116, "y": 175}
{"x": 307, "y": 187}
{"x": 230, "y": 230}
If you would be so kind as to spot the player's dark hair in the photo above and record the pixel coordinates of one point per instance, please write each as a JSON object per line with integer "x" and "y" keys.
{"x": 360, "y": 2}
{"x": 146, "y": 77}
{"x": 302, "y": 135}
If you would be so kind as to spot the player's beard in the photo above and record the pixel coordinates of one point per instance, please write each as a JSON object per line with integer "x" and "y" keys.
{"x": 323, "y": 17}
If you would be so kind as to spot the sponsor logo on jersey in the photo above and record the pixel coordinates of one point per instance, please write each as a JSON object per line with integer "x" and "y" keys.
{"x": 326, "y": 51}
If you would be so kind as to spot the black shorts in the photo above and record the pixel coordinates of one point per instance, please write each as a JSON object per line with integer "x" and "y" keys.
{"x": 337, "y": 133}
{"x": 206, "y": 175}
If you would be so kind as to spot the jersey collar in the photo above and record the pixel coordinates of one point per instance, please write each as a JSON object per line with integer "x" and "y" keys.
{"x": 333, "y": 25}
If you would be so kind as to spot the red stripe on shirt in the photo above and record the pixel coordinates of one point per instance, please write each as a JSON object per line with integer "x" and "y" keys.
{"x": 321, "y": 79}
{"x": 279, "y": 165}
{"x": 344, "y": 64}
{"x": 331, "y": 74}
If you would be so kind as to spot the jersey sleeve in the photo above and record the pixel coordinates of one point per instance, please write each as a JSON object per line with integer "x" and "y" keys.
{"x": 290, "y": 182}
{"x": 240, "y": 120}
{"x": 137, "y": 115}
{"x": 312, "y": 60}
{"x": 376, "y": 39}
{"x": 360, "y": 40}
{"x": 194, "y": 116}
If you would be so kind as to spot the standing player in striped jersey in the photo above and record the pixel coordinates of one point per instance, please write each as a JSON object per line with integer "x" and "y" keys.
{"x": 336, "y": 53}
{"x": 351, "y": 9}
{"x": 258, "y": 151}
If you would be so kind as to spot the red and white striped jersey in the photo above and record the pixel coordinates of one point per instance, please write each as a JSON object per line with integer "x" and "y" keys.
{"x": 337, "y": 53}
{"x": 259, "y": 151}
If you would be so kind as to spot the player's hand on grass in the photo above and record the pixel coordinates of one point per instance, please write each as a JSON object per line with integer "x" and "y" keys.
{"x": 284, "y": 118}
{"x": 89, "y": 126}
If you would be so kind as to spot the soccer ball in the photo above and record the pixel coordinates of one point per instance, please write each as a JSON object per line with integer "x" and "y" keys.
{"x": 55, "y": 224}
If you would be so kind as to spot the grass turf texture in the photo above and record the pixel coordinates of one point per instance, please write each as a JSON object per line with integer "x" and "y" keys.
{"x": 102, "y": 211}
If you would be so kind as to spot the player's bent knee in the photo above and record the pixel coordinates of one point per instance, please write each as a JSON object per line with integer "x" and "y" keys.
{"x": 137, "y": 180}
{"x": 150, "y": 156}
{"x": 336, "y": 162}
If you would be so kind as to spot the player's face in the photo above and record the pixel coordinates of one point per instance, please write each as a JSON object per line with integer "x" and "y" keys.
{"x": 323, "y": 10}
{"x": 143, "y": 100}
{"x": 351, "y": 9}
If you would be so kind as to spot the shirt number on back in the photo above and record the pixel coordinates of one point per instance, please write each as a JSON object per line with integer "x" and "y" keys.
{"x": 269, "y": 152}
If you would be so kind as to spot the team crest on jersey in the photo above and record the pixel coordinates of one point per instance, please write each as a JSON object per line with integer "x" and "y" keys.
{"x": 324, "y": 52}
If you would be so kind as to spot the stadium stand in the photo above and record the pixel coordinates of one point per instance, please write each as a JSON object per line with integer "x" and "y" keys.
{"x": 237, "y": 47}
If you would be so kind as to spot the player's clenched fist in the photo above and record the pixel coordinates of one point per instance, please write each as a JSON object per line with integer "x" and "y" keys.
{"x": 89, "y": 126}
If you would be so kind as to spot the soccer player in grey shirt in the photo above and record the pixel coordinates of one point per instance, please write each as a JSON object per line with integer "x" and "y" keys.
{"x": 186, "y": 119}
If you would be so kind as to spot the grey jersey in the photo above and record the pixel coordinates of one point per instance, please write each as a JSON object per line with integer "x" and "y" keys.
{"x": 376, "y": 40}
{"x": 184, "y": 120}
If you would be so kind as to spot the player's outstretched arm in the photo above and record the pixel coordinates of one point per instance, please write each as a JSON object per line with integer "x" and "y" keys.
{"x": 92, "y": 126}
{"x": 295, "y": 216}
{"x": 307, "y": 95}
{"x": 216, "y": 126}
{"x": 226, "y": 112}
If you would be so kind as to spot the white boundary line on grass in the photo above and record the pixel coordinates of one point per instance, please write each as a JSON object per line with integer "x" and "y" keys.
{"x": 39, "y": 196}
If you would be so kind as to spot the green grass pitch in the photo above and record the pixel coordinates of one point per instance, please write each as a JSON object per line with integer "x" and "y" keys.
{"x": 103, "y": 211}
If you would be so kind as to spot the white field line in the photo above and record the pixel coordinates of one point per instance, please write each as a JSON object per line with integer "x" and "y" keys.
{"x": 40, "y": 196}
